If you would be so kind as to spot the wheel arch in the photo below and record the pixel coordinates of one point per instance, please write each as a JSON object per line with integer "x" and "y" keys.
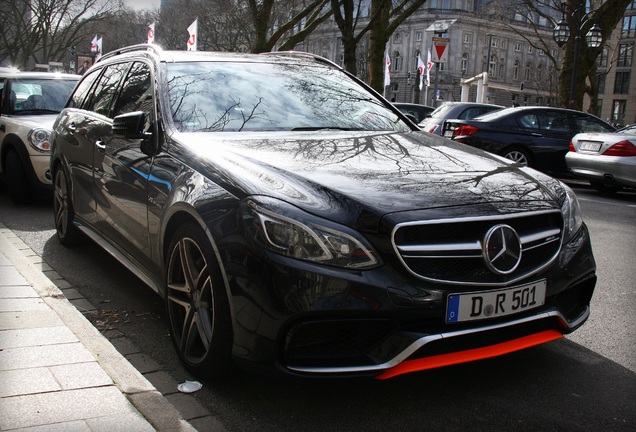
{"x": 181, "y": 215}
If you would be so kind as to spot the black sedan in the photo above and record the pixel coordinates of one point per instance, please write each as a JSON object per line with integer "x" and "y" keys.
{"x": 292, "y": 219}
{"x": 538, "y": 137}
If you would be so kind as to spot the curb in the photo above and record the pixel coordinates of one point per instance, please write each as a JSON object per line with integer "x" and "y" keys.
{"x": 139, "y": 391}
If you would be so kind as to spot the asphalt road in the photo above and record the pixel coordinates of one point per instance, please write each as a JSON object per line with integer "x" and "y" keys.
{"x": 586, "y": 382}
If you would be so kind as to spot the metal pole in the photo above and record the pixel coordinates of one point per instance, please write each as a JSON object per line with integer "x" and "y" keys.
{"x": 574, "y": 70}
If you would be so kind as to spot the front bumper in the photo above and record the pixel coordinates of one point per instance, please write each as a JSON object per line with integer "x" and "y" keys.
{"x": 340, "y": 323}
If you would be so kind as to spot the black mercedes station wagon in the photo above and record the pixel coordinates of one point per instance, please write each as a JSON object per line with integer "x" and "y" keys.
{"x": 294, "y": 220}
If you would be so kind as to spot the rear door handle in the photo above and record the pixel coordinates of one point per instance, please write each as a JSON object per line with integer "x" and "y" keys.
{"x": 72, "y": 127}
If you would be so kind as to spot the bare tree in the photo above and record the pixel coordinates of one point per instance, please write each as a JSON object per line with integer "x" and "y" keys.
{"x": 607, "y": 15}
{"x": 386, "y": 16}
{"x": 40, "y": 31}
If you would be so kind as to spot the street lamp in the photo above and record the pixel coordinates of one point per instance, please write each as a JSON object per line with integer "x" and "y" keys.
{"x": 561, "y": 35}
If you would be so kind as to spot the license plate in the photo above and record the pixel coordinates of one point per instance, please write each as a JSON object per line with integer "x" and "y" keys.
{"x": 590, "y": 146}
{"x": 496, "y": 303}
{"x": 448, "y": 133}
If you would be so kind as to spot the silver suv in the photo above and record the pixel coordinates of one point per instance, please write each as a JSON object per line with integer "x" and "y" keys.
{"x": 29, "y": 104}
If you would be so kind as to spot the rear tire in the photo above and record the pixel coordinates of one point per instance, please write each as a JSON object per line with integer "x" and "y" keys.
{"x": 197, "y": 305}
{"x": 605, "y": 188}
{"x": 517, "y": 155}
{"x": 67, "y": 232}
{"x": 16, "y": 178}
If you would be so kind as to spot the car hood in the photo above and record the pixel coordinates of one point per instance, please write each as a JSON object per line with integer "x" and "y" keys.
{"x": 36, "y": 120}
{"x": 346, "y": 177}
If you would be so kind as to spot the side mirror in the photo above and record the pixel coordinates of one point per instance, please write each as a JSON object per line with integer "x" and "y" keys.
{"x": 130, "y": 126}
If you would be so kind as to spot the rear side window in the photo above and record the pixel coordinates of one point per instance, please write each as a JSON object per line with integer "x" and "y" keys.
{"x": 106, "y": 88}
{"x": 136, "y": 94}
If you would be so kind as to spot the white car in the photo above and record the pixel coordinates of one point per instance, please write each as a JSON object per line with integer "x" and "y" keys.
{"x": 607, "y": 160}
{"x": 29, "y": 104}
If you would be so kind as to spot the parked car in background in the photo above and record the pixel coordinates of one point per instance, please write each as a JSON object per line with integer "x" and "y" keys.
{"x": 535, "y": 136}
{"x": 416, "y": 112}
{"x": 29, "y": 104}
{"x": 454, "y": 110}
{"x": 299, "y": 223}
{"x": 607, "y": 160}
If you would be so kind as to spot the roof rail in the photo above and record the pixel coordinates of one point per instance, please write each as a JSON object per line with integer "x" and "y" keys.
{"x": 140, "y": 47}
{"x": 303, "y": 54}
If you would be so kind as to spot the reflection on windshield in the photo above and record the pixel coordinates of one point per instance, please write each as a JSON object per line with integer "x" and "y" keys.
{"x": 235, "y": 97}
{"x": 40, "y": 95}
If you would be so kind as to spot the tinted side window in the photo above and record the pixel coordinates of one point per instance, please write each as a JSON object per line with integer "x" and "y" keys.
{"x": 136, "y": 94}
{"x": 79, "y": 96}
{"x": 555, "y": 121}
{"x": 106, "y": 88}
{"x": 590, "y": 124}
{"x": 529, "y": 121}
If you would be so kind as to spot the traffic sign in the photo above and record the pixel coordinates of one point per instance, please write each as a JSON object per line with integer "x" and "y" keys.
{"x": 440, "y": 52}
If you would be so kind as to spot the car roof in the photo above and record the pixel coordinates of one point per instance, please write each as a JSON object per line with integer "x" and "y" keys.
{"x": 202, "y": 56}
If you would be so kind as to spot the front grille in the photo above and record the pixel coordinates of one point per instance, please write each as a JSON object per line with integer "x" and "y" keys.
{"x": 451, "y": 251}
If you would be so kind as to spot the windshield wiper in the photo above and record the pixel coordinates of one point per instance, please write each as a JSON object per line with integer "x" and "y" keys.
{"x": 37, "y": 111}
{"x": 316, "y": 128}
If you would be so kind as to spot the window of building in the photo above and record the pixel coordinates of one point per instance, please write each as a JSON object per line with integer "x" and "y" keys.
{"x": 515, "y": 70}
{"x": 397, "y": 38}
{"x": 494, "y": 42}
{"x": 603, "y": 57}
{"x": 397, "y": 62}
{"x": 530, "y": 49}
{"x": 629, "y": 26}
{"x": 618, "y": 111}
{"x": 468, "y": 37}
{"x": 492, "y": 65}
{"x": 625, "y": 52}
{"x": 500, "y": 72}
{"x": 600, "y": 83}
{"x": 621, "y": 83}
{"x": 518, "y": 46}
{"x": 465, "y": 58}
{"x": 418, "y": 36}
{"x": 541, "y": 53}
{"x": 528, "y": 71}
{"x": 540, "y": 72}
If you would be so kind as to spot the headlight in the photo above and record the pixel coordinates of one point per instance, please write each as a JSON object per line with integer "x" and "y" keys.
{"x": 571, "y": 214}
{"x": 39, "y": 139}
{"x": 303, "y": 236}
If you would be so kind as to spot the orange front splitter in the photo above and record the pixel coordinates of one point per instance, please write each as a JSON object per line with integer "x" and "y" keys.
{"x": 433, "y": 362}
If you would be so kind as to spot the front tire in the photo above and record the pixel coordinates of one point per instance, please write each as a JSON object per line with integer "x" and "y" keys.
{"x": 197, "y": 305}
{"x": 16, "y": 178}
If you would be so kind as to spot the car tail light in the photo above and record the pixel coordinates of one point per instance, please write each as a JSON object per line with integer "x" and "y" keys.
{"x": 465, "y": 130}
{"x": 572, "y": 149}
{"x": 621, "y": 148}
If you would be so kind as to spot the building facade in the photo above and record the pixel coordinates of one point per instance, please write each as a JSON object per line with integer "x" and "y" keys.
{"x": 517, "y": 51}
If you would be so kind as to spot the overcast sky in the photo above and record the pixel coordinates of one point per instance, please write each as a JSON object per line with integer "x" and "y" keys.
{"x": 143, "y": 4}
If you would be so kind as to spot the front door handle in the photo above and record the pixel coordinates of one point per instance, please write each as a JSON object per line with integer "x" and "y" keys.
{"x": 100, "y": 146}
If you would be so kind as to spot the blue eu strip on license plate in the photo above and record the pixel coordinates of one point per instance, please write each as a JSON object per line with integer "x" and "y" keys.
{"x": 494, "y": 303}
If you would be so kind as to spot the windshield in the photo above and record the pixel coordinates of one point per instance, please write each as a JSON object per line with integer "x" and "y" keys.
{"x": 235, "y": 97}
{"x": 30, "y": 96}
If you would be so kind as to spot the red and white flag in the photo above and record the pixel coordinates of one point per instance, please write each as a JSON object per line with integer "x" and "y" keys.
{"x": 94, "y": 44}
{"x": 387, "y": 71}
{"x": 429, "y": 65}
{"x": 192, "y": 39}
{"x": 99, "y": 49}
{"x": 420, "y": 69}
{"x": 151, "y": 33}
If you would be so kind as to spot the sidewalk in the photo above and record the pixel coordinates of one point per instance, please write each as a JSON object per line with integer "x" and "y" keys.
{"x": 57, "y": 372}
